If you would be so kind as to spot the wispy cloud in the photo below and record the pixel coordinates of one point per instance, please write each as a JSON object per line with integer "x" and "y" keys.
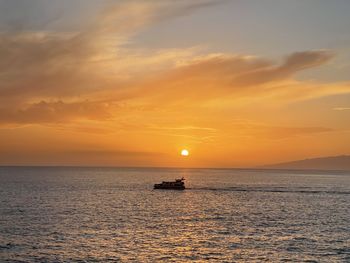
{"x": 56, "y": 112}
{"x": 233, "y": 77}
{"x": 255, "y": 129}
{"x": 184, "y": 128}
{"x": 341, "y": 108}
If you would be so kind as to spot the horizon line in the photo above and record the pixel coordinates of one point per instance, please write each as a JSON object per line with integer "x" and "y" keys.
{"x": 175, "y": 168}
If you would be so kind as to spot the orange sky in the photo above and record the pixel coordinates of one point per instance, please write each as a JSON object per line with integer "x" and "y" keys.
{"x": 94, "y": 95}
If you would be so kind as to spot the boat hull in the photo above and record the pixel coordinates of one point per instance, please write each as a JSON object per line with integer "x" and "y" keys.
{"x": 166, "y": 187}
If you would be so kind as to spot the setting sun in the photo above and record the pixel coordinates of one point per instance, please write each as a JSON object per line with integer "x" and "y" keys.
{"x": 184, "y": 152}
{"x": 188, "y": 129}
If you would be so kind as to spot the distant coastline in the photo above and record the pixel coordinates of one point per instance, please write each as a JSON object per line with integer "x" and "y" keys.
{"x": 337, "y": 163}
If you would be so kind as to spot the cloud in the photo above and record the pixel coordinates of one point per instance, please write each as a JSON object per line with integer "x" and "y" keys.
{"x": 73, "y": 157}
{"x": 247, "y": 128}
{"x": 194, "y": 134}
{"x": 184, "y": 128}
{"x": 54, "y": 112}
{"x": 341, "y": 108}
{"x": 245, "y": 71}
{"x": 38, "y": 65}
{"x": 199, "y": 80}
{"x": 237, "y": 76}
{"x": 294, "y": 63}
{"x": 49, "y": 77}
{"x": 285, "y": 132}
{"x": 35, "y": 65}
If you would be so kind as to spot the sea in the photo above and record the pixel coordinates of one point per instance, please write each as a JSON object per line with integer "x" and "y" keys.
{"x": 72, "y": 214}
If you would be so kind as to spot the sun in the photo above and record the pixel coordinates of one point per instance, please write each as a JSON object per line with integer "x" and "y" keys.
{"x": 184, "y": 152}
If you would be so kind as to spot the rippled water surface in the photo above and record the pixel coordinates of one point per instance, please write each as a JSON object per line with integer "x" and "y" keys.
{"x": 114, "y": 215}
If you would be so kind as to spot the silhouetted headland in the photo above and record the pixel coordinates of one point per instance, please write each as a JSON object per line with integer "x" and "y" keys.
{"x": 324, "y": 163}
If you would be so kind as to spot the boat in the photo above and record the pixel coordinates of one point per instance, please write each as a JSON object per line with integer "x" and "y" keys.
{"x": 178, "y": 184}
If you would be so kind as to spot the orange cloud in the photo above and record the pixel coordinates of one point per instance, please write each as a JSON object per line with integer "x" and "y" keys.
{"x": 265, "y": 131}
{"x": 53, "y": 112}
{"x": 341, "y": 108}
{"x": 235, "y": 78}
{"x": 118, "y": 100}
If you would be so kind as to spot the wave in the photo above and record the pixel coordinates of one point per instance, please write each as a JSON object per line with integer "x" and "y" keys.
{"x": 271, "y": 190}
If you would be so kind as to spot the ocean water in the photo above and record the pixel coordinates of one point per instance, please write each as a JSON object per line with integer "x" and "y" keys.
{"x": 114, "y": 215}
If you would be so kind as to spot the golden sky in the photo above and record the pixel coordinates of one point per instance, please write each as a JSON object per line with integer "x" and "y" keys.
{"x": 132, "y": 83}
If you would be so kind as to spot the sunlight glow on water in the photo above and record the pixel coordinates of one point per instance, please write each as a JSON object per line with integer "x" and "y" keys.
{"x": 105, "y": 214}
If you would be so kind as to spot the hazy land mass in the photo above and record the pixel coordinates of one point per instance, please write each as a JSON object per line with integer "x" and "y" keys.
{"x": 323, "y": 163}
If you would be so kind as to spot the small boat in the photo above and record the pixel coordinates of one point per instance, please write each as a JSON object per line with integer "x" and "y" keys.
{"x": 178, "y": 184}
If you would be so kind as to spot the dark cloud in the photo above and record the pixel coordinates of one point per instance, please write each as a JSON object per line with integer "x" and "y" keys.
{"x": 33, "y": 65}
{"x": 247, "y": 71}
{"x": 294, "y": 63}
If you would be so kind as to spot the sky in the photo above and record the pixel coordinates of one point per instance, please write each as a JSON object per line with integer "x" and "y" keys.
{"x": 238, "y": 83}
